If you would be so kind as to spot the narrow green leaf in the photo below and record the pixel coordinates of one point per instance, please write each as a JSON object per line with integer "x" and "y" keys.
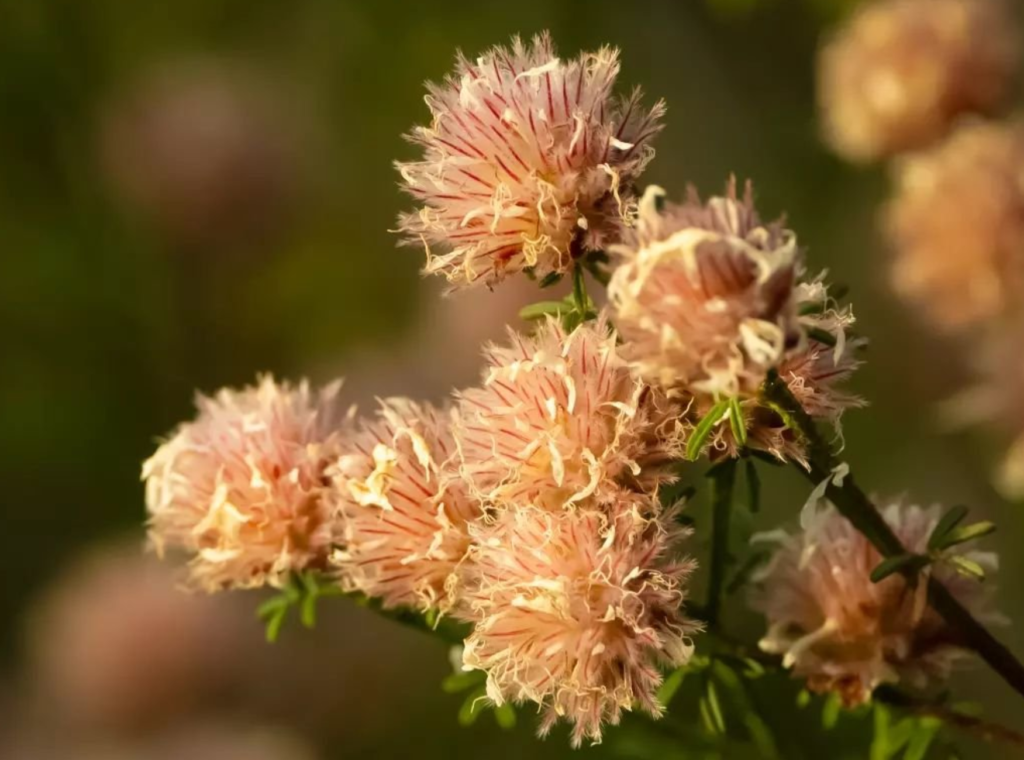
{"x": 737, "y": 422}
{"x": 274, "y": 624}
{"x": 505, "y": 715}
{"x": 715, "y": 707}
{"x": 964, "y": 534}
{"x": 899, "y": 563}
{"x": 542, "y": 309}
{"x": 473, "y": 705}
{"x": 821, "y": 336}
{"x": 880, "y": 748}
{"x": 803, "y": 699}
{"x": 704, "y": 429}
{"x": 670, "y": 686}
{"x": 271, "y": 606}
{"x": 967, "y": 567}
{"x": 921, "y": 741}
{"x": 753, "y": 486}
{"x": 458, "y": 682}
{"x": 830, "y": 712}
{"x": 950, "y": 520}
{"x": 750, "y": 566}
{"x": 553, "y": 278}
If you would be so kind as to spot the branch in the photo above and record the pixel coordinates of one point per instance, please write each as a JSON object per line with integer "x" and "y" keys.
{"x": 723, "y": 481}
{"x": 856, "y": 507}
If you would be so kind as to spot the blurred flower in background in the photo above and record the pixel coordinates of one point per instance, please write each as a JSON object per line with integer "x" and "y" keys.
{"x": 207, "y": 151}
{"x": 899, "y": 72}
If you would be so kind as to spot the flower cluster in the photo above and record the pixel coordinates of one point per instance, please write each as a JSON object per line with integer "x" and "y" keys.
{"x": 528, "y": 163}
{"x": 709, "y": 299}
{"x": 533, "y": 508}
{"x": 842, "y": 632}
{"x": 901, "y": 71}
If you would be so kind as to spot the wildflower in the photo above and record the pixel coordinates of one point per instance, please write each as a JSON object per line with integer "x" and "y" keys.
{"x": 241, "y": 488}
{"x": 575, "y": 610}
{"x": 956, "y": 226}
{"x": 899, "y": 73}
{"x": 846, "y": 634}
{"x": 528, "y": 163}
{"x": 404, "y": 515}
{"x": 560, "y": 420}
{"x": 704, "y": 294}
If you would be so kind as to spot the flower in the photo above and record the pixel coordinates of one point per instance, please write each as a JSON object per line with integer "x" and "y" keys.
{"x": 404, "y": 514}
{"x": 575, "y": 610}
{"x": 899, "y": 73}
{"x": 528, "y": 162}
{"x": 703, "y": 294}
{"x": 708, "y": 300}
{"x": 560, "y": 420}
{"x": 846, "y": 634}
{"x": 242, "y": 489}
{"x": 956, "y": 226}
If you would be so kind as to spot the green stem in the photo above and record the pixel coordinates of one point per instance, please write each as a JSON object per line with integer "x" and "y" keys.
{"x": 447, "y": 629}
{"x": 579, "y": 291}
{"x": 723, "y": 481}
{"x": 855, "y": 506}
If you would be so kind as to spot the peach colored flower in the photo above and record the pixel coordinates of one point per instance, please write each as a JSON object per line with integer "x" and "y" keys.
{"x": 576, "y": 610}
{"x": 529, "y": 162}
{"x": 708, "y": 300}
{"x": 844, "y": 633}
{"x": 404, "y": 514}
{"x": 899, "y": 73}
{"x": 956, "y": 226}
{"x": 704, "y": 293}
{"x": 560, "y": 420}
{"x": 241, "y": 489}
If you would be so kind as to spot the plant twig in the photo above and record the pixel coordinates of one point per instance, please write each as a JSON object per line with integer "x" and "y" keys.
{"x": 723, "y": 481}
{"x": 856, "y": 507}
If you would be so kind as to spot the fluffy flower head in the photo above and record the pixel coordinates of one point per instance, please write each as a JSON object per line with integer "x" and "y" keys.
{"x": 844, "y": 633}
{"x": 704, "y": 293}
{"x": 899, "y": 73}
{"x": 956, "y": 226}
{"x": 404, "y": 517}
{"x": 528, "y": 162}
{"x": 560, "y": 420}
{"x": 575, "y": 610}
{"x": 241, "y": 489}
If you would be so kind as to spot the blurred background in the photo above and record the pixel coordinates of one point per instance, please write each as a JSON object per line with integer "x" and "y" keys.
{"x": 194, "y": 192}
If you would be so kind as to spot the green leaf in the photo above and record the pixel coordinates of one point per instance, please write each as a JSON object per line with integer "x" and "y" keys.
{"x": 274, "y": 623}
{"x": 542, "y": 309}
{"x": 505, "y": 715}
{"x": 737, "y": 422}
{"x": 307, "y": 610}
{"x": 473, "y": 705}
{"x": 704, "y": 429}
{"x": 964, "y": 534}
{"x": 803, "y": 699}
{"x": 821, "y": 336}
{"x": 715, "y": 707}
{"x": 898, "y": 563}
{"x": 552, "y": 278}
{"x": 830, "y": 712}
{"x": 950, "y": 520}
{"x": 459, "y": 682}
{"x": 753, "y": 487}
{"x": 670, "y": 686}
{"x": 967, "y": 567}
{"x": 880, "y": 746}
{"x": 921, "y": 740}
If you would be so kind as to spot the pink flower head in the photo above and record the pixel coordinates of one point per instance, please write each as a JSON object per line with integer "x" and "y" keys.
{"x": 897, "y": 76}
{"x": 242, "y": 488}
{"x": 844, "y": 633}
{"x": 404, "y": 516}
{"x": 704, "y": 293}
{"x": 956, "y": 226}
{"x": 528, "y": 162}
{"x": 575, "y": 610}
{"x": 560, "y": 420}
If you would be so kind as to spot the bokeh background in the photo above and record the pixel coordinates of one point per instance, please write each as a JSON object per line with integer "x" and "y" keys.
{"x": 194, "y": 192}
